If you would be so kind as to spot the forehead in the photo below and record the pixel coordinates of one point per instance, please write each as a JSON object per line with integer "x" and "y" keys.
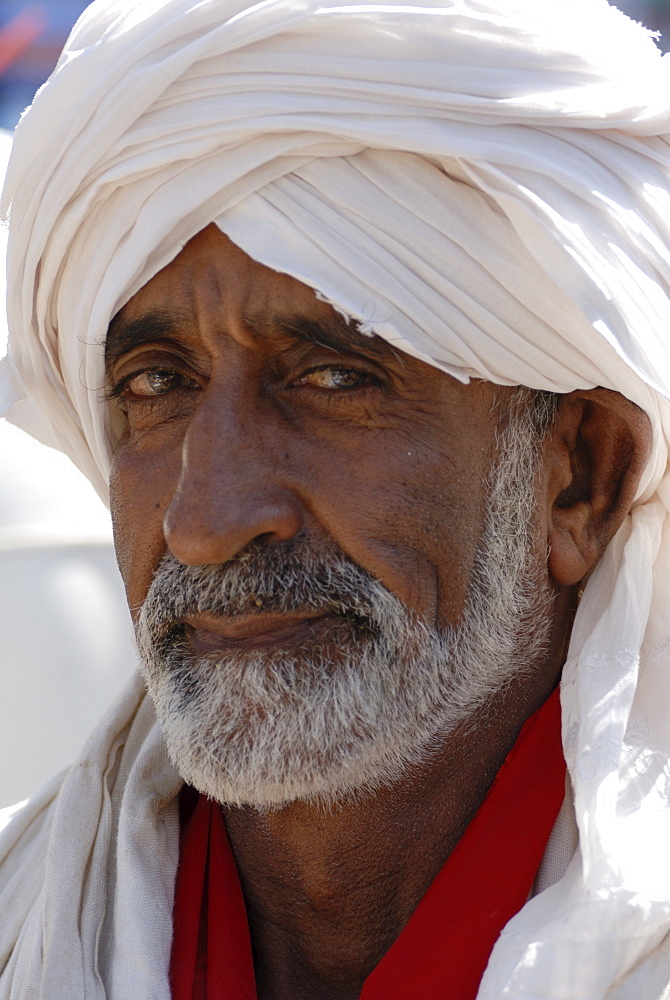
{"x": 213, "y": 286}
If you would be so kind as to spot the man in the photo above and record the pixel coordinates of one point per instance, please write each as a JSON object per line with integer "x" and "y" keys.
{"x": 277, "y": 273}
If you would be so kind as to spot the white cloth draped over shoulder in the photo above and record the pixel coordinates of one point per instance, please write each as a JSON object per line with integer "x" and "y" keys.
{"x": 486, "y": 184}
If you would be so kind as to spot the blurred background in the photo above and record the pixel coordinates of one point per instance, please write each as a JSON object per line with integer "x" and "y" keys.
{"x": 655, "y": 14}
{"x": 65, "y": 635}
{"x": 31, "y": 37}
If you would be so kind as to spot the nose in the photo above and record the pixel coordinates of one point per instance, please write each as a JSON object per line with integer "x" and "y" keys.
{"x": 232, "y": 488}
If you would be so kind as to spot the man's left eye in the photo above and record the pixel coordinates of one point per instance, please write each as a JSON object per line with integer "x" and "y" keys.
{"x": 336, "y": 378}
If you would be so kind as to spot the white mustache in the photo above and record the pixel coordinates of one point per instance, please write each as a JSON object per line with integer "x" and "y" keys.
{"x": 292, "y": 580}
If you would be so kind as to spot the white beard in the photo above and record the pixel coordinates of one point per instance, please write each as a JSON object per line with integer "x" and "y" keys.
{"x": 350, "y": 712}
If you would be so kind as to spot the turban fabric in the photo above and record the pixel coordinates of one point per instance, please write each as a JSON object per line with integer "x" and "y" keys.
{"x": 485, "y": 184}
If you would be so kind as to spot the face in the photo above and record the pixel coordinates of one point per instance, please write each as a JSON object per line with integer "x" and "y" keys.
{"x": 254, "y": 412}
{"x": 319, "y": 469}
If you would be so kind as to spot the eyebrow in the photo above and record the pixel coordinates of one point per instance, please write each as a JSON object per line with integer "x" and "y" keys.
{"x": 124, "y": 334}
{"x": 336, "y": 333}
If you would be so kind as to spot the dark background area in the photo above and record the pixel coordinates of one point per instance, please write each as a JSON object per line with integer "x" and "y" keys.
{"x": 32, "y": 35}
{"x": 655, "y": 14}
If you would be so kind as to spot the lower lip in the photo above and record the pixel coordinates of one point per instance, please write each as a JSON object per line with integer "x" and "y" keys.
{"x": 204, "y": 642}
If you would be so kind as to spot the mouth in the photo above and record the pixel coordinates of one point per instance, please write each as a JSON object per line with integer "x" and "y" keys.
{"x": 208, "y": 636}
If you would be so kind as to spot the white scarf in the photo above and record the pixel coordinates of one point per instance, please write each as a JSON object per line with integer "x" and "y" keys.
{"x": 485, "y": 184}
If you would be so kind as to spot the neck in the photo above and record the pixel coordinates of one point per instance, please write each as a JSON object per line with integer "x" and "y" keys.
{"x": 329, "y": 890}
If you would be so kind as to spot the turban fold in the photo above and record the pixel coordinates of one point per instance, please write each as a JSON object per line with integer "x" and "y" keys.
{"x": 485, "y": 184}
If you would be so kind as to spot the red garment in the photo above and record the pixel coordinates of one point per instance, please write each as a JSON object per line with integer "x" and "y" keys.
{"x": 443, "y": 950}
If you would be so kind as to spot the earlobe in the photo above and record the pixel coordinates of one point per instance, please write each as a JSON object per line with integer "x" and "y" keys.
{"x": 594, "y": 457}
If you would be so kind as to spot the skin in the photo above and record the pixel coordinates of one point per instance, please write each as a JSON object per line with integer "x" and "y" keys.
{"x": 273, "y": 419}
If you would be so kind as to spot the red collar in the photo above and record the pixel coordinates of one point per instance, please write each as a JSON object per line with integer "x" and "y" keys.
{"x": 447, "y": 941}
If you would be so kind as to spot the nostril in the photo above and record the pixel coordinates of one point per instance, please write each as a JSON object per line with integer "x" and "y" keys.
{"x": 204, "y": 526}
{"x": 266, "y": 538}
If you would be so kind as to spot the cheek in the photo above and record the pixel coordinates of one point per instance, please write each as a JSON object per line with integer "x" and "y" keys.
{"x": 409, "y": 515}
{"x": 141, "y": 486}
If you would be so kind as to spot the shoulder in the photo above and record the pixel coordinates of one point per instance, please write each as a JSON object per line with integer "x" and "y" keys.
{"x": 24, "y": 841}
{"x": 649, "y": 979}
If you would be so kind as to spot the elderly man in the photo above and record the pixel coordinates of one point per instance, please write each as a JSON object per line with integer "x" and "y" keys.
{"x": 359, "y": 311}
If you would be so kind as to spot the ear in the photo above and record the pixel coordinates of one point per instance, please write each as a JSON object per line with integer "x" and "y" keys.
{"x": 594, "y": 456}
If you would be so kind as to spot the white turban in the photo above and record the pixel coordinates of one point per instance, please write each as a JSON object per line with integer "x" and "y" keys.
{"x": 486, "y": 184}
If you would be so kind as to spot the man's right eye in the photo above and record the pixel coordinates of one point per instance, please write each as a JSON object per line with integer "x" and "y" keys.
{"x": 149, "y": 384}
{"x": 156, "y": 382}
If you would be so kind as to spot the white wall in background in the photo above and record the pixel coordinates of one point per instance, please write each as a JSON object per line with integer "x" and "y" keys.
{"x": 65, "y": 636}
